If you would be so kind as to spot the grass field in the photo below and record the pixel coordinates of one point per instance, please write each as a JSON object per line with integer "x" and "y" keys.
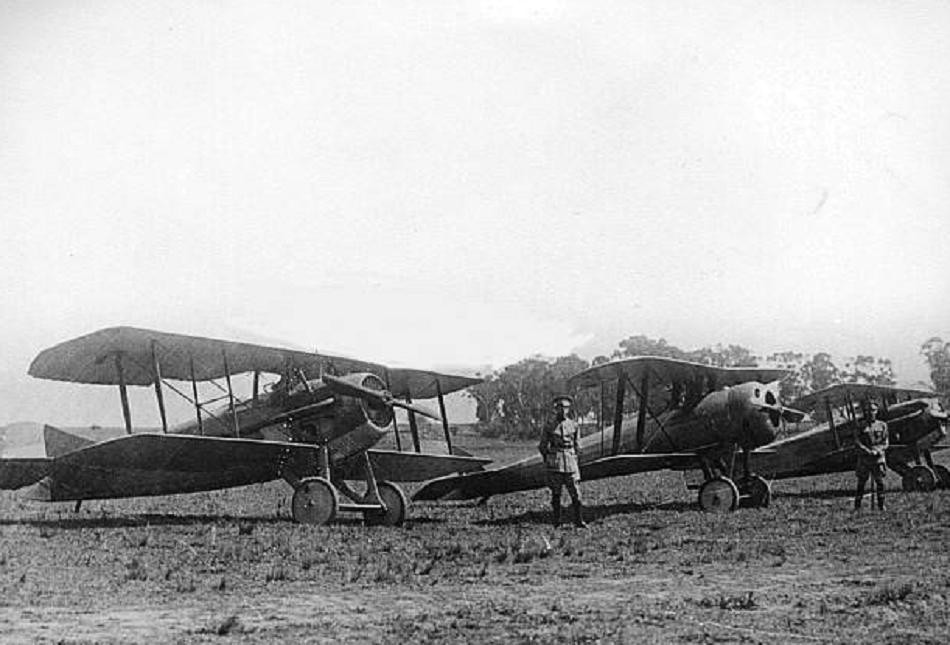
{"x": 230, "y": 565}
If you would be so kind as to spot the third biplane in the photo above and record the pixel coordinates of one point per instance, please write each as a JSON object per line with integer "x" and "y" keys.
{"x": 916, "y": 422}
{"x": 315, "y": 427}
{"x": 687, "y": 415}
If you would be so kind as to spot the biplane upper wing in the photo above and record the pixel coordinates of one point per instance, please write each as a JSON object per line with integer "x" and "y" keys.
{"x": 423, "y": 384}
{"x": 669, "y": 370}
{"x": 159, "y": 464}
{"x": 838, "y": 395}
{"x": 90, "y": 359}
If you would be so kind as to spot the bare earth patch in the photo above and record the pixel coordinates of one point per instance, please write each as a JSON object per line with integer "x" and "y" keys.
{"x": 650, "y": 568}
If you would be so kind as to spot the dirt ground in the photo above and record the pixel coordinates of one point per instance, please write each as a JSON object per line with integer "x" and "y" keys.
{"x": 230, "y": 565}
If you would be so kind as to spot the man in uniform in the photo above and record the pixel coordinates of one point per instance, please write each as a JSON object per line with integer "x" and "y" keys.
{"x": 558, "y": 446}
{"x": 872, "y": 443}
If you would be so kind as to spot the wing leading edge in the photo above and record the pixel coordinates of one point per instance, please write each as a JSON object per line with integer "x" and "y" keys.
{"x": 669, "y": 370}
{"x": 530, "y": 473}
{"x": 90, "y": 359}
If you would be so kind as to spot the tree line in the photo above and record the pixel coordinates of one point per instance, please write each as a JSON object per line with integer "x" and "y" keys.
{"x": 514, "y": 401}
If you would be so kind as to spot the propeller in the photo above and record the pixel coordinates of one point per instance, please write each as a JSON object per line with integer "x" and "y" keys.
{"x": 342, "y": 386}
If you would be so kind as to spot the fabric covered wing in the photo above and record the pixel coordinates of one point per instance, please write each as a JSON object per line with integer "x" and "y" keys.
{"x": 154, "y": 464}
{"x": 421, "y": 384}
{"x": 837, "y": 395}
{"x": 631, "y": 464}
{"x": 669, "y": 370}
{"x": 19, "y": 472}
{"x": 397, "y": 466}
{"x": 89, "y": 358}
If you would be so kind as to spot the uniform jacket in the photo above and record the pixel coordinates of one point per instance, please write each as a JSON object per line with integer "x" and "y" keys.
{"x": 874, "y": 438}
{"x": 558, "y": 445}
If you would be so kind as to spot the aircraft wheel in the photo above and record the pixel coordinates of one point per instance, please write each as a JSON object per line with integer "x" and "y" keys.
{"x": 315, "y": 501}
{"x": 718, "y": 495}
{"x": 919, "y": 478}
{"x": 943, "y": 475}
{"x": 756, "y": 492}
{"x": 396, "y": 505}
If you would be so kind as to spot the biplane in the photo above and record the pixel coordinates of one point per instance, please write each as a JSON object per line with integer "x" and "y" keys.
{"x": 916, "y": 422}
{"x": 314, "y": 427}
{"x": 687, "y": 415}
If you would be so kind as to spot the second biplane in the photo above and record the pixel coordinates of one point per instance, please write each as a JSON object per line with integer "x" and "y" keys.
{"x": 315, "y": 427}
{"x": 916, "y": 422}
{"x": 687, "y": 415}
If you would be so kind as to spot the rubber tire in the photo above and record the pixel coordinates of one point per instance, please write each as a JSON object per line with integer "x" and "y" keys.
{"x": 718, "y": 495}
{"x": 755, "y": 492}
{"x": 396, "y": 505}
{"x": 919, "y": 478}
{"x": 943, "y": 476}
{"x": 315, "y": 502}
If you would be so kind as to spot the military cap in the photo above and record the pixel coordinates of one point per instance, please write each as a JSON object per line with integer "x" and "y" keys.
{"x": 562, "y": 397}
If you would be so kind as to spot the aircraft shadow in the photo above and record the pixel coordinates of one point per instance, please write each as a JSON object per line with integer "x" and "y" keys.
{"x": 591, "y": 513}
{"x": 138, "y": 521}
{"x": 816, "y": 494}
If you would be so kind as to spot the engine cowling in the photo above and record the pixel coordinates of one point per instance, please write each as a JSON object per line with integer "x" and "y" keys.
{"x": 360, "y": 421}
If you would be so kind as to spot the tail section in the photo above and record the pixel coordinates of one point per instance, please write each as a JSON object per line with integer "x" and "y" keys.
{"x": 27, "y": 451}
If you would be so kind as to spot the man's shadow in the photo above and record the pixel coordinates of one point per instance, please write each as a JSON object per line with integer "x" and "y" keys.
{"x": 591, "y": 513}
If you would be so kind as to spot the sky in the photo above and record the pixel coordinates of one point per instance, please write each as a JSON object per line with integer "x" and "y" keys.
{"x": 438, "y": 184}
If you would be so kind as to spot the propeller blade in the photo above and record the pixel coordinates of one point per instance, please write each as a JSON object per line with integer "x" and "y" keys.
{"x": 352, "y": 389}
{"x": 792, "y": 415}
{"x": 418, "y": 409}
{"x": 345, "y": 387}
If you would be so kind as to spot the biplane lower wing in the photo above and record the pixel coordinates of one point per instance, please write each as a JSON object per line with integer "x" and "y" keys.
{"x": 19, "y": 472}
{"x": 397, "y": 466}
{"x": 530, "y": 474}
{"x": 632, "y": 464}
{"x": 157, "y": 464}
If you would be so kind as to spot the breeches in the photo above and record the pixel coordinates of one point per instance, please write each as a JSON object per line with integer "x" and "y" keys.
{"x": 558, "y": 480}
{"x": 872, "y": 469}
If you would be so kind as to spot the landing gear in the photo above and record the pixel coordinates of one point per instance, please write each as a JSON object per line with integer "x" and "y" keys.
{"x": 718, "y": 495}
{"x": 754, "y": 492}
{"x": 315, "y": 501}
{"x": 395, "y": 504}
{"x": 943, "y": 475}
{"x": 918, "y": 478}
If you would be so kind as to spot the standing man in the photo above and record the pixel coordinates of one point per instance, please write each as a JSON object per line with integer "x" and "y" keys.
{"x": 872, "y": 443}
{"x": 558, "y": 446}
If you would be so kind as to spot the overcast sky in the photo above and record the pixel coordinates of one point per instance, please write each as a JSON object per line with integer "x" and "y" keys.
{"x": 436, "y": 183}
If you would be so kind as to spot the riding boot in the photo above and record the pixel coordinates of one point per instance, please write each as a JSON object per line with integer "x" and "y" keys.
{"x": 556, "y": 513}
{"x": 579, "y": 516}
{"x": 880, "y": 499}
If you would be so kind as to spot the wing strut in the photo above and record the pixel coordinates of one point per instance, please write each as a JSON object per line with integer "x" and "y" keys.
{"x": 618, "y": 414}
{"x": 413, "y": 426}
{"x": 158, "y": 388}
{"x": 123, "y": 393}
{"x": 445, "y": 419}
{"x": 227, "y": 377}
{"x": 642, "y": 412}
{"x": 395, "y": 424}
{"x": 194, "y": 391}
{"x": 831, "y": 423}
